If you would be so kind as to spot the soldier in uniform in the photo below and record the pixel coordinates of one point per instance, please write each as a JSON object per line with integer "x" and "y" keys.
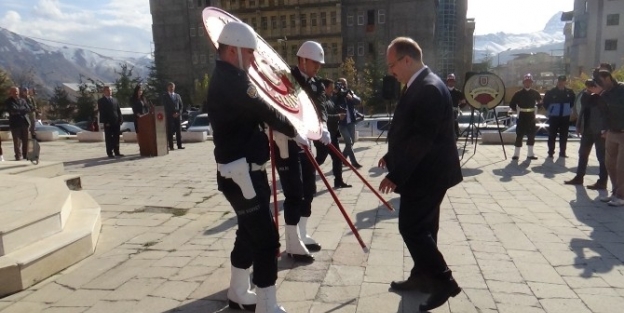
{"x": 559, "y": 102}
{"x": 459, "y": 101}
{"x": 238, "y": 114}
{"x": 297, "y": 173}
{"x": 524, "y": 101}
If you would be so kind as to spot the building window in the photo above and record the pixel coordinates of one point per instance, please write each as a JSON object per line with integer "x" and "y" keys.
{"x": 292, "y": 21}
{"x": 200, "y": 3}
{"x": 326, "y": 48}
{"x": 194, "y": 58}
{"x": 370, "y": 17}
{"x": 202, "y": 58}
{"x": 334, "y": 48}
{"x": 350, "y": 52}
{"x": 274, "y": 22}
{"x": 371, "y": 48}
{"x": 382, "y": 49}
{"x": 252, "y": 3}
{"x": 360, "y": 49}
{"x": 283, "y": 21}
{"x": 192, "y": 31}
{"x": 323, "y": 19}
{"x": 200, "y": 30}
{"x": 381, "y": 17}
{"x": 304, "y": 22}
{"x": 261, "y": 2}
{"x": 613, "y": 19}
{"x": 580, "y": 29}
{"x": 253, "y": 23}
{"x": 263, "y": 22}
{"x": 360, "y": 18}
{"x": 350, "y": 20}
{"x": 610, "y": 44}
{"x": 313, "y": 19}
{"x": 191, "y": 3}
{"x": 332, "y": 17}
{"x": 243, "y": 3}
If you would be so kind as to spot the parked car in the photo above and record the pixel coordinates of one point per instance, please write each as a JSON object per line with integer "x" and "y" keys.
{"x": 49, "y": 128}
{"x": 190, "y": 116}
{"x": 71, "y": 129}
{"x": 128, "y": 120}
{"x": 4, "y": 124}
{"x": 466, "y": 128}
{"x": 83, "y": 124}
{"x": 542, "y": 130}
{"x": 200, "y": 124}
{"x": 373, "y": 126}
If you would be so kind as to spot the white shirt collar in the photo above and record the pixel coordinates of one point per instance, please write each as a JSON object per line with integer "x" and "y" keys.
{"x": 411, "y": 80}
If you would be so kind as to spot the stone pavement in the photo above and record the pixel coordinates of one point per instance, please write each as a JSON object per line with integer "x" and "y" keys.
{"x": 517, "y": 239}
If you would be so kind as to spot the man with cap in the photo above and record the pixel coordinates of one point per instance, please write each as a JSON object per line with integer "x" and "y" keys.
{"x": 297, "y": 173}
{"x": 558, "y": 103}
{"x": 524, "y": 101}
{"x": 591, "y": 123}
{"x": 238, "y": 115}
{"x": 613, "y": 95}
{"x": 459, "y": 100}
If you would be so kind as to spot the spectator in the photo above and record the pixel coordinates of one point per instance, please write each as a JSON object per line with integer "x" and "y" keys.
{"x": 347, "y": 101}
{"x": 173, "y": 110}
{"x": 140, "y": 106}
{"x": 558, "y": 103}
{"x": 18, "y": 122}
{"x": 110, "y": 116}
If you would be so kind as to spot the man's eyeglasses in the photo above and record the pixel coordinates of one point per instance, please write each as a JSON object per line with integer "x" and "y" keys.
{"x": 391, "y": 65}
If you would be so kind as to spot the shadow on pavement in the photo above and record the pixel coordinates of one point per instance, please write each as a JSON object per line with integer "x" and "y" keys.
{"x": 101, "y": 161}
{"x": 410, "y": 300}
{"x": 514, "y": 168}
{"x": 549, "y": 168}
{"x": 368, "y": 219}
{"x": 591, "y": 254}
{"x": 211, "y": 304}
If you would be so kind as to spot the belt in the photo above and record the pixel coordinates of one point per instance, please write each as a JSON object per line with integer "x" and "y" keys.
{"x": 526, "y": 110}
{"x": 257, "y": 167}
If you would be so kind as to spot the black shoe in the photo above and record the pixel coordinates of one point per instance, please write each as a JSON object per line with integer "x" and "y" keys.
{"x": 341, "y": 185}
{"x": 514, "y": 158}
{"x": 418, "y": 283}
{"x": 441, "y": 292}
{"x": 562, "y": 155}
{"x": 598, "y": 186}
{"x": 171, "y": 148}
{"x": 313, "y": 247}
{"x": 110, "y": 156}
{"x": 574, "y": 181}
{"x": 119, "y": 155}
{"x": 244, "y": 307}
{"x": 532, "y": 157}
{"x": 550, "y": 155}
{"x": 302, "y": 258}
{"x": 357, "y": 166}
{"x": 181, "y": 148}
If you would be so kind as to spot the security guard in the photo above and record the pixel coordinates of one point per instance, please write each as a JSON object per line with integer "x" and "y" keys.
{"x": 295, "y": 169}
{"x": 459, "y": 100}
{"x": 238, "y": 114}
{"x": 559, "y": 102}
{"x": 525, "y": 100}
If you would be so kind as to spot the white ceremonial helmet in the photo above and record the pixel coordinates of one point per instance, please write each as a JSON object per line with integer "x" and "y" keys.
{"x": 528, "y": 77}
{"x": 238, "y": 34}
{"x": 312, "y": 50}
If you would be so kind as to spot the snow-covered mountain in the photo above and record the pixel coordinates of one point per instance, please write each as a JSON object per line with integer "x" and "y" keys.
{"x": 50, "y": 66}
{"x": 550, "y": 40}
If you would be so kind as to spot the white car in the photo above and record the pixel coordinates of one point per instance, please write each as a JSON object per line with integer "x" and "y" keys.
{"x": 466, "y": 128}
{"x": 373, "y": 126}
{"x": 200, "y": 124}
{"x": 128, "y": 120}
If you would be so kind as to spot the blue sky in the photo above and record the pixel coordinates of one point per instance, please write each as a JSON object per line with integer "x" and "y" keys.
{"x": 126, "y": 24}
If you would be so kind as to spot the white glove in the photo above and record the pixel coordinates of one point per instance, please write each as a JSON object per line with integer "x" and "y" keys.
{"x": 302, "y": 140}
{"x": 325, "y": 137}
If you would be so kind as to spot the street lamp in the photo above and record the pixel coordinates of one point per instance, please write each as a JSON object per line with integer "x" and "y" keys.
{"x": 498, "y": 57}
{"x": 283, "y": 42}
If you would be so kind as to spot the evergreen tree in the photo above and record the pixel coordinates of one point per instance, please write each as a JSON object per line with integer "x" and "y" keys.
{"x": 125, "y": 84}
{"x": 372, "y": 85}
{"x": 60, "y": 105}
{"x": 86, "y": 102}
{"x": 156, "y": 80}
{"x": 201, "y": 91}
{"x": 5, "y": 84}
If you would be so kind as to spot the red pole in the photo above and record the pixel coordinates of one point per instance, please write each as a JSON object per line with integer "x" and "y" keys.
{"x": 333, "y": 194}
{"x": 344, "y": 160}
{"x": 272, "y": 149}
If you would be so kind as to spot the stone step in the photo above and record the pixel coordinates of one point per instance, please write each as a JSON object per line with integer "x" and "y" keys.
{"x": 38, "y": 210}
{"x": 31, "y": 264}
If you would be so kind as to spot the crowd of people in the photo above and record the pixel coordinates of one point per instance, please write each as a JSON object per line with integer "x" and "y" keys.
{"x": 422, "y": 163}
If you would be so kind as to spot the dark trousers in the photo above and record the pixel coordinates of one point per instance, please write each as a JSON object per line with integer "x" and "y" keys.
{"x": 587, "y": 141}
{"x": 174, "y": 127}
{"x": 111, "y": 137}
{"x": 558, "y": 124}
{"x": 419, "y": 221}
{"x": 322, "y": 151}
{"x": 20, "y": 141}
{"x": 298, "y": 181}
{"x": 525, "y": 127}
{"x": 257, "y": 239}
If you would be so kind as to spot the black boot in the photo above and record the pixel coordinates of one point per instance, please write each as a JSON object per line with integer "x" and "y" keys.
{"x": 442, "y": 290}
{"x": 577, "y": 180}
{"x": 418, "y": 282}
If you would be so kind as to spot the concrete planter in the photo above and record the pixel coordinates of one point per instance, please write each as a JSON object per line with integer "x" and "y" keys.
{"x": 493, "y": 138}
{"x": 194, "y": 136}
{"x": 90, "y": 137}
{"x": 47, "y": 135}
{"x": 6, "y": 136}
{"x": 129, "y": 137}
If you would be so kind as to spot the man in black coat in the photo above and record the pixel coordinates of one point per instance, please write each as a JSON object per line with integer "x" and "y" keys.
{"x": 19, "y": 122}
{"x": 559, "y": 102}
{"x": 110, "y": 116}
{"x": 173, "y": 109}
{"x": 422, "y": 164}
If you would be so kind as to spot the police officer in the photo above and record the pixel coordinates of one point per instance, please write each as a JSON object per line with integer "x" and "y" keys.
{"x": 524, "y": 101}
{"x": 559, "y": 102}
{"x": 295, "y": 169}
{"x": 459, "y": 101}
{"x": 237, "y": 114}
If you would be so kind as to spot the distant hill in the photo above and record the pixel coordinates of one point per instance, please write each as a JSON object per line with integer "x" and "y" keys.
{"x": 52, "y": 66}
{"x": 549, "y": 40}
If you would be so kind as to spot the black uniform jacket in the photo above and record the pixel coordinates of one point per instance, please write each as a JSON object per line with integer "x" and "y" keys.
{"x": 421, "y": 139}
{"x": 237, "y": 114}
{"x": 526, "y": 99}
{"x": 457, "y": 96}
{"x": 110, "y": 113}
{"x": 315, "y": 91}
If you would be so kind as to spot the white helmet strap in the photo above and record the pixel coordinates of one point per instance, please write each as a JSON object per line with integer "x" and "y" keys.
{"x": 240, "y": 58}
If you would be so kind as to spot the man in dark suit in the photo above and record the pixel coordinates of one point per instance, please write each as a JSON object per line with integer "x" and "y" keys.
{"x": 110, "y": 116}
{"x": 422, "y": 164}
{"x": 173, "y": 109}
